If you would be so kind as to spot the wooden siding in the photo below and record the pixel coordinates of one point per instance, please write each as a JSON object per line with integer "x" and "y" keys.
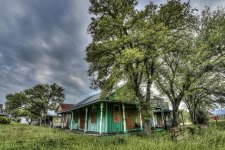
{"x": 114, "y": 126}
{"x": 109, "y": 123}
{"x": 82, "y": 118}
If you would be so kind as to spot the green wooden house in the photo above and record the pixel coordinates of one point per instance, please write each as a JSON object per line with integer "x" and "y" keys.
{"x": 93, "y": 115}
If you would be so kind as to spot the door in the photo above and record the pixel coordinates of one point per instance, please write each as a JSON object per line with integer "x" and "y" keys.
{"x": 130, "y": 118}
{"x": 82, "y": 118}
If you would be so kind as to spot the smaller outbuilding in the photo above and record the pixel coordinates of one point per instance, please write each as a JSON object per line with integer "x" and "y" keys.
{"x": 57, "y": 118}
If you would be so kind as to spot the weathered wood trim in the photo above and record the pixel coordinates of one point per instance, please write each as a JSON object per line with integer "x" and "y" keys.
{"x": 154, "y": 121}
{"x": 106, "y": 119}
{"x": 100, "y": 128}
{"x": 124, "y": 119}
{"x": 71, "y": 121}
{"x": 62, "y": 120}
{"x": 163, "y": 118}
{"x": 141, "y": 124}
{"x": 85, "y": 124}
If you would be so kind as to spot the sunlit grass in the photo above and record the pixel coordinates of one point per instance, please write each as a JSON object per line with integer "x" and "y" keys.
{"x": 22, "y": 137}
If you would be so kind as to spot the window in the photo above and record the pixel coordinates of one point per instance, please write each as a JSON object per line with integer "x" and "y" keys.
{"x": 94, "y": 115}
{"x": 116, "y": 114}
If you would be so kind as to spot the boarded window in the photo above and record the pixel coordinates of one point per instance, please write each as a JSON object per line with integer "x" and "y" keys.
{"x": 94, "y": 115}
{"x": 116, "y": 114}
{"x": 130, "y": 118}
{"x": 75, "y": 116}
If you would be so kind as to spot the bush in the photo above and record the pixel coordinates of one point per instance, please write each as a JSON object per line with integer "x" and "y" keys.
{"x": 18, "y": 120}
{"x": 4, "y": 120}
{"x": 202, "y": 117}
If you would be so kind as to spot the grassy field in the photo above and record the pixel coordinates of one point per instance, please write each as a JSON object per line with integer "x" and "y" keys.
{"x": 22, "y": 137}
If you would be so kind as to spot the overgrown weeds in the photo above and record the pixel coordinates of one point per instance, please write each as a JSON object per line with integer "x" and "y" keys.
{"x": 22, "y": 137}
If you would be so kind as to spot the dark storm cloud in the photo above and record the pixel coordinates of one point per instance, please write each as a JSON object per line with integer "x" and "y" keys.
{"x": 199, "y": 4}
{"x": 44, "y": 42}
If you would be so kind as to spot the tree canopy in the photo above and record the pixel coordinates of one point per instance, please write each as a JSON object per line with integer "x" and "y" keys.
{"x": 35, "y": 101}
{"x": 169, "y": 47}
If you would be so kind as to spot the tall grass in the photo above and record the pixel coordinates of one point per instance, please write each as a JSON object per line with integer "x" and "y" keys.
{"x": 22, "y": 137}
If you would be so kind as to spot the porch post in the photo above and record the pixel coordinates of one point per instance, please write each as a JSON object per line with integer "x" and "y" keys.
{"x": 124, "y": 119}
{"x": 62, "y": 120}
{"x": 71, "y": 121}
{"x": 106, "y": 124}
{"x": 163, "y": 118}
{"x": 100, "y": 130}
{"x": 153, "y": 120}
{"x": 85, "y": 125}
{"x": 141, "y": 120}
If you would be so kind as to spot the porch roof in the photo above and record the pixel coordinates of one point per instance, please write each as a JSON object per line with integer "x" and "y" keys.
{"x": 90, "y": 100}
{"x": 87, "y": 101}
{"x": 3, "y": 114}
{"x": 163, "y": 110}
{"x": 96, "y": 98}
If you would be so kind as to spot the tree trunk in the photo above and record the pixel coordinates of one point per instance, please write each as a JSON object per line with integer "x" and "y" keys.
{"x": 147, "y": 118}
{"x": 40, "y": 123}
{"x": 175, "y": 114}
{"x": 192, "y": 116}
{"x": 29, "y": 122}
{"x": 147, "y": 127}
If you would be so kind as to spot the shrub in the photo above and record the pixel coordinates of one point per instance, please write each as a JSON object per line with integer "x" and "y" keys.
{"x": 18, "y": 120}
{"x": 4, "y": 120}
{"x": 202, "y": 117}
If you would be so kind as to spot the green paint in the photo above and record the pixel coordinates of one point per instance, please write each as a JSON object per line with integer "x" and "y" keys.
{"x": 106, "y": 116}
{"x": 101, "y": 113}
{"x": 108, "y": 125}
{"x": 62, "y": 120}
{"x": 71, "y": 121}
{"x": 141, "y": 121}
{"x": 114, "y": 126}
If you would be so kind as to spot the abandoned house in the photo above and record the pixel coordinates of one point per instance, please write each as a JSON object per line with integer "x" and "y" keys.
{"x": 93, "y": 115}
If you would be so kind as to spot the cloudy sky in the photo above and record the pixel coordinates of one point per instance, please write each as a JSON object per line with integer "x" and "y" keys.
{"x": 43, "y": 41}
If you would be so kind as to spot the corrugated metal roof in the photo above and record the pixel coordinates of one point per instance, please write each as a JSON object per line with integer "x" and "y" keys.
{"x": 162, "y": 110}
{"x": 93, "y": 99}
{"x": 88, "y": 100}
{"x": 3, "y": 114}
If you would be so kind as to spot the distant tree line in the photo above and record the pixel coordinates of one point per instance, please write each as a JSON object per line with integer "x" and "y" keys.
{"x": 171, "y": 47}
{"x": 33, "y": 103}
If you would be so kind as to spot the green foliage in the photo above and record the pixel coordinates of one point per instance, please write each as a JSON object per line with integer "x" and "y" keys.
{"x": 166, "y": 45}
{"x": 18, "y": 120}
{"x": 4, "y": 120}
{"x": 202, "y": 117}
{"x": 186, "y": 116}
{"x": 35, "y": 102}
